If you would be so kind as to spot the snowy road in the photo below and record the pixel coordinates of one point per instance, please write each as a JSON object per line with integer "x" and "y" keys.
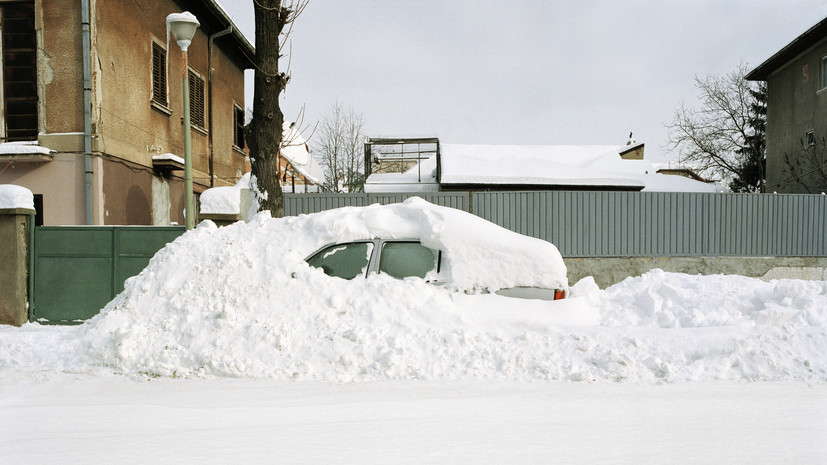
{"x": 118, "y": 420}
{"x": 216, "y": 353}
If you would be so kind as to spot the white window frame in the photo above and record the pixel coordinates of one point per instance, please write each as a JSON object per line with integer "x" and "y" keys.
{"x": 822, "y": 68}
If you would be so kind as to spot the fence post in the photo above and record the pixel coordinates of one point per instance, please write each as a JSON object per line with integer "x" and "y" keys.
{"x": 14, "y": 264}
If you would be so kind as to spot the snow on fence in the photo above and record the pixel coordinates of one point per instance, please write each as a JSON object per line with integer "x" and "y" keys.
{"x": 632, "y": 224}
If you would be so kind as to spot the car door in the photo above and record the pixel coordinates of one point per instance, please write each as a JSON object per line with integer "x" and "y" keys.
{"x": 408, "y": 258}
{"x": 346, "y": 260}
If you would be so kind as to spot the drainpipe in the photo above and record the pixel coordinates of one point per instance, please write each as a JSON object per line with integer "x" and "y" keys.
{"x": 87, "y": 106}
{"x": 209, "y": 97}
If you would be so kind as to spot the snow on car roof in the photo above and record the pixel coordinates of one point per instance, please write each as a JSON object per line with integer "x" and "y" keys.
{"x": 478, "y": 253}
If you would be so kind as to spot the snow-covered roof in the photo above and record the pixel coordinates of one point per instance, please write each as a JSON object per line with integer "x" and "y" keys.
{"x": 13, "y": 196}
{"x": 23, "y": 148}
{"x": 296, "y": 152}
{"x": 562, "y": 166}
{"x": 419, "y": 178}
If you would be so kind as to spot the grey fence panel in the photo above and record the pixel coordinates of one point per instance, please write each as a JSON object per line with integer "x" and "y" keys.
{"x": 458, "y": 200}
{"x": 633, "y": 224}
{"x": 297, "y": 204}
{"x": 772, "y": 225}
{"x": 588, "y": 224}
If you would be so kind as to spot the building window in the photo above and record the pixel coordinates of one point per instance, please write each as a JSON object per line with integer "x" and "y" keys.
{"x": 19, "y": 76}
{"x": 238, "y": 125}
{"x": 196, "y": 99}
{"x": 810, "y": 138}
{"x": 823, "y": 72}
{"x": 159, "y": 74}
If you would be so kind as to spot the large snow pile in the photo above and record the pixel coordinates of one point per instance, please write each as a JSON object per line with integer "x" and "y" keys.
{"x": 222, "y": 302}
{"x": 12, "y": 196}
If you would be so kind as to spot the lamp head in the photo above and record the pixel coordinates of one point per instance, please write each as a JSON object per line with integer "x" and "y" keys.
{"x": 182, "y": 26}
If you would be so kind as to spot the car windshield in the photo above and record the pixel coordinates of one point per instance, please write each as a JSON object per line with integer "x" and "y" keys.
{"x": 405, "y": 259}
{"x": 345, "y": 261}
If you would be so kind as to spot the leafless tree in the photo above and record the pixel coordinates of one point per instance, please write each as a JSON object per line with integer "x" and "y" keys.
{"x": 273, "y": 22}
{"x": 808, "y": 166}
{"x": 339, "y": 144}
{"x": 724, "y": 137}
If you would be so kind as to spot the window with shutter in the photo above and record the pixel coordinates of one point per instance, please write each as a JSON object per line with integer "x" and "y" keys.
{"x": 19, "y": 58}
{"x": 196, "y": 99}
{"x": 159, "y": 74}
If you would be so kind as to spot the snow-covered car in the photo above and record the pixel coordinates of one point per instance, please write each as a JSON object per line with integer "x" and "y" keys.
{"x": 459, "y": 251}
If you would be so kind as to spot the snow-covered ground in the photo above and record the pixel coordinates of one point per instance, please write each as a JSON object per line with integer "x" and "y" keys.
{"x": 216, "y": 354}
{"x": 83, "y": 419}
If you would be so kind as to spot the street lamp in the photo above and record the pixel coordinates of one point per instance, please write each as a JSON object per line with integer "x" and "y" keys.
{"x": 183, "y": 26}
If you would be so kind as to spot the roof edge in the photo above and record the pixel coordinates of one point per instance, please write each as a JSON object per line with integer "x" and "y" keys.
{"x": 801, "y": 43}
{"x": 220, "y": 16}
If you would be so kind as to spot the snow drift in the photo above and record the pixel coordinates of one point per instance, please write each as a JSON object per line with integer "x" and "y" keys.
{"x": 221, "y": 302}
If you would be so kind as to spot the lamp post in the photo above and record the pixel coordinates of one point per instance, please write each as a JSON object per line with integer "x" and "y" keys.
{"x": 182, "y": 26}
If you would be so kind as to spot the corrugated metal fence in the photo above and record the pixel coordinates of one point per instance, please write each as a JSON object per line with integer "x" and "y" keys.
{"x": 632, "y": 224}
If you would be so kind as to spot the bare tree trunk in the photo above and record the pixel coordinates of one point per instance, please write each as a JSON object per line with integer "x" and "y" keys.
{"x": 264, "y": 133}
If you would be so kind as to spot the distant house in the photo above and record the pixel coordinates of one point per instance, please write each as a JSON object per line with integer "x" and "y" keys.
{"x": 299, "y": 171}
{"x": 796, "y": 79}
{"x": 103, "y": 121}
{"x": 535, "y": 167}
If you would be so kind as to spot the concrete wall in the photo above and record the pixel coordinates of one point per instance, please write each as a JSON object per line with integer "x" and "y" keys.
{"x": 61, "y": 183}
{"x": 795, "y": 104}
{"x": 60, "y": 71}
{"x": 14, "y": 246}
{"x": 608, "y": 271}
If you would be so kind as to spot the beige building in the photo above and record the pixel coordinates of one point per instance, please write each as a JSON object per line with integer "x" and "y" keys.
{"x": 120, "y": 162}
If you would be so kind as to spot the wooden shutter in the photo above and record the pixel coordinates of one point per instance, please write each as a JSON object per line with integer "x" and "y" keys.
{"x": 159, "y": 74}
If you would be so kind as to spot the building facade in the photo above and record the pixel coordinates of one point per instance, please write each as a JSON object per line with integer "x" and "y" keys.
{"x": 796, "y": 79}
{"x": 96, "y": 86}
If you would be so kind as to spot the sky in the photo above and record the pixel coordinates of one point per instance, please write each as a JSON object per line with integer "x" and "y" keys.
{"x": 523, "y": 72}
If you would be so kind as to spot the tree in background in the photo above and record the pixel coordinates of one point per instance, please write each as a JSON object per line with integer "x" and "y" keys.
{"x": 340, "y": 146}
{"x": 753, "y": 162}
{"x": 808, "y": 166}
{"x": 725, "y": 136}
{"x": 264, "y": 133}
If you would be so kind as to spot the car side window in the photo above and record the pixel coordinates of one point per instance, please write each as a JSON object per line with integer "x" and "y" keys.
{"x": 345, "y": 261}
{"x": 404, "y": 259}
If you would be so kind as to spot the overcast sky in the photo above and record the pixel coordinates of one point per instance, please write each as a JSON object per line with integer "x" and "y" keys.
{"x": 523, "y": 72}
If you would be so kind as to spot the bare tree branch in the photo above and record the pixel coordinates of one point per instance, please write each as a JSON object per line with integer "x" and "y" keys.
{"x": 340, "y": 145}
{"x": 808, "y": 167}
{"x": 724, "y": 137}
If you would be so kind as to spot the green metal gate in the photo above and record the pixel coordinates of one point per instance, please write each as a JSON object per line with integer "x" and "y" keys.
{"x": 79, "y": 269}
